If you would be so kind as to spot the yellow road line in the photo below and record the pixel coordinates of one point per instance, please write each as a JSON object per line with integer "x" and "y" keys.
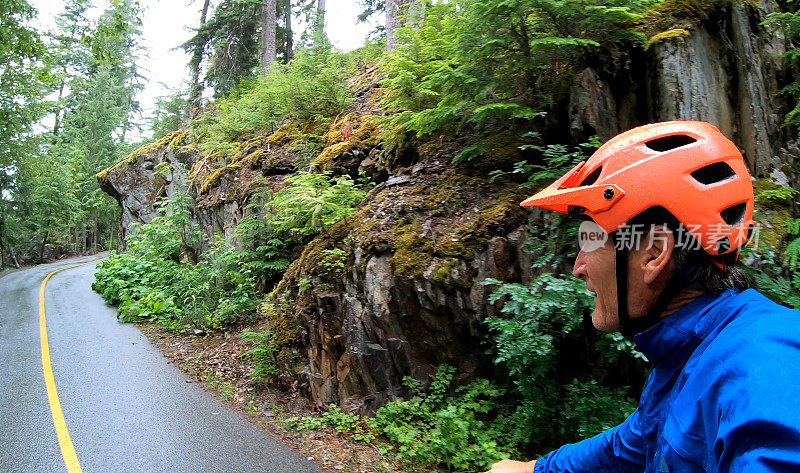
{"x": 67, "y": 449}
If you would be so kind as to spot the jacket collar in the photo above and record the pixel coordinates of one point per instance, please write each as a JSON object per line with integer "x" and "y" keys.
{"x": 682, "y": 329}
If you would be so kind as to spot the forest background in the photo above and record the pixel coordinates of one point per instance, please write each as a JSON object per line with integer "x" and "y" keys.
{"x": 459, "y": 74}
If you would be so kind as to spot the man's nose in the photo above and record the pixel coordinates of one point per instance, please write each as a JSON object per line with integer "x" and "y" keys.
{"x": 579, "y": 268}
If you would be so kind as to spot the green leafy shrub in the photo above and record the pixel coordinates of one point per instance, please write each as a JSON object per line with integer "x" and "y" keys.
{"x": 781, "y": 284}
{"x": 792, "y": 253}
{"x": 789, "y": 22}
{"x": 161, "y": 278}
{"x": 778, "y": 288}
{"x": 313, "y": 202}
{"x": 537, "y": 318}
{"x": 310, "y": 87}
{"x": 780, "y": 193}
{"x": 348, "y": 423}
{"x": 458, "y": 428}
{"x": 266, "y": 253}
{"x": 478, "y": 63}
{"x": 333, "y": 260}
{"x": 263, "y": 354}
{"x": 556, "y": 160}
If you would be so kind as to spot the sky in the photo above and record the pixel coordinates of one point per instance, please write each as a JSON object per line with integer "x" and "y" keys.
{"x": 166, "y": 24}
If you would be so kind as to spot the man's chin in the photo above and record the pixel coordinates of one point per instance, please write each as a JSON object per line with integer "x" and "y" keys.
{"x": 604, "y": 322}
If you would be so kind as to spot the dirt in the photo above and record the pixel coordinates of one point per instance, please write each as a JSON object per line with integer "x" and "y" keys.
{"x": 215, "y": 360}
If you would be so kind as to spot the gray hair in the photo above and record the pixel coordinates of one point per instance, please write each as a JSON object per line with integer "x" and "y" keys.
{"x": 690, "y": 259}
{"x": 702, "y": 274}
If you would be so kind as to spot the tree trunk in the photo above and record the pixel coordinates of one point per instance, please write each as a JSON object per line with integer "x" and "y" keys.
{"x": 2, "y": 229}
{"x": 13, "y": 256}
{"x": 320, "y": 20}
{"x": 268, "y": 25}
{"x": 41, "y": 248}
{"x": 399, "y": 14}
{"x": 287, "y": 23}
{"x": 57, "y": 124}
{"x": 83, "y": 236}
{"x": 196, "y": 88}
{"x": 94, "y": 235}
{"x": 392, "y": 22}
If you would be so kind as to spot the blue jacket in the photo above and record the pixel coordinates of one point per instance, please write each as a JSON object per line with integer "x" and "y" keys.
{"x": 723, "y": 396}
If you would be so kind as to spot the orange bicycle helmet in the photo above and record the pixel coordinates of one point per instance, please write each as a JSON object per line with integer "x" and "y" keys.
{"x": 687, "y": 167}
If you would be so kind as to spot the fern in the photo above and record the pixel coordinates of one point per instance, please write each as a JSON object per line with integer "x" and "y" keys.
{"x": 785, "y": 291}
{"x": 263, "y": 354}
{"x": 311, "y": 87}
{"x": 479, "y": 63}
{"x": 790, "y": 23}
{"x": 792, "y": 253}
{"x": 525, "y": 342}
{"x": 782, "y": 194}
{"x": 312, "y": 202}
{"x": 558, "y": 159}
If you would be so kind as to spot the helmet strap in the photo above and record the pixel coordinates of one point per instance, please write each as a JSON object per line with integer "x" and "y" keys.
{"x": 628, "y": 326}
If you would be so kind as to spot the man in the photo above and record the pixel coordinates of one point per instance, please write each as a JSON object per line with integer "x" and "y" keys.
{"x": 677, "y": 203}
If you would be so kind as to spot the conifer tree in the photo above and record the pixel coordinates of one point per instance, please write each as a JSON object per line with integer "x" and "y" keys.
{"x": 23, "y": 84}
{"x": 268, "y": 30}
{"x": 399, "y": 14}
{"x": 197, "y": 45}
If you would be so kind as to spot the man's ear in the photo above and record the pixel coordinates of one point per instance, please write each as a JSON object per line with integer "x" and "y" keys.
{"x": 657, "y": 254}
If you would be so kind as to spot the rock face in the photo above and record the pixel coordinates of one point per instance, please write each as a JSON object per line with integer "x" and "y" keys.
{"x": 724, "y": 71}
{"x": 413, "y": 294}
{"x": 592, "y": 107}
{"x": 421, "y": 244}
{"x": 151, "y": 173}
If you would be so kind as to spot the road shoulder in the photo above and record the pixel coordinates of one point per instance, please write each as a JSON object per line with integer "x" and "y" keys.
{"x": 214, "y": 360}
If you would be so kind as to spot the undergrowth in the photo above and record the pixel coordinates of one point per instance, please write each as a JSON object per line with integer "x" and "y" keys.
{"x": 164, "y": 277}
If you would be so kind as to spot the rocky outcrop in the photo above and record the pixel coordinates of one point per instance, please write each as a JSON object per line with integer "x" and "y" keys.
{"x": 420, "y": 246}
{"x": 723, "y": 70}
{"x": 592, "y": 107}
{"x": 413, "y": 294}
{"x": 725, "y": 73}
{"x": 149, "y": 174}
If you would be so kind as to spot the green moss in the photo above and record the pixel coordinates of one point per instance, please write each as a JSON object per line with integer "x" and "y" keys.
{"x": 693, "y": 9}
{"x": 502, "y": 150}
{"x": 443, "y": 273}
{"x": 324, "y": 160}
{"x": 368, "y": 132}
{"x": 463, "y": 213}
{"x": 285, "y": 326}
{"x": 307, "y": 263}
{"x": 412, "y": 252}
{"x": 473, "y": 232}
{"x": 671, "y": 15}
{"x": 169, "y": 141}
{"x": 290, "y": 133}
{"x": 346, "y": 134}
{"x": 772, "y": 216}
{"x": 213, "y": 177}
{"x": 678, "y": 33}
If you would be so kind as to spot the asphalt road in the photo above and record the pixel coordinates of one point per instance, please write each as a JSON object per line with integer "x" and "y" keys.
{"x": 126, "y": 409}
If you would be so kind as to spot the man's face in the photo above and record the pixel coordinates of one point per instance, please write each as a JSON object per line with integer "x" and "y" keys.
{"x": 597, "y": 268}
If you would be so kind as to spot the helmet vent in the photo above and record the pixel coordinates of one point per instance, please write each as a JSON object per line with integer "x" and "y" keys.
{"x": 667, "y": 143}
{"x": 592, "y": 178}
{"x": 713, "y": 173}
{"x": 723, "y": 244}
{"x": 734, "y": 214}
